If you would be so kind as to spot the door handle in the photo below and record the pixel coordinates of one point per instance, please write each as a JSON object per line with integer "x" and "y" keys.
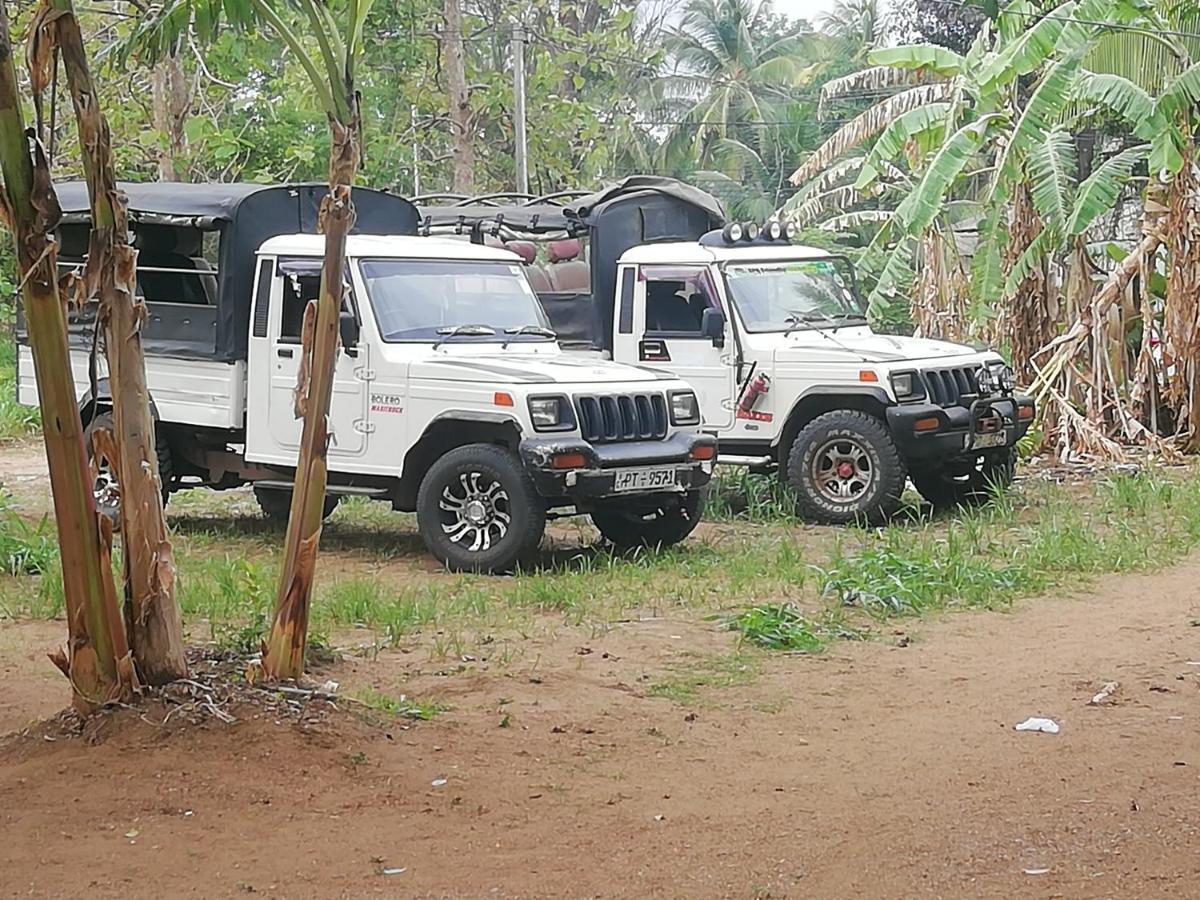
{"x": 285, "y": 352}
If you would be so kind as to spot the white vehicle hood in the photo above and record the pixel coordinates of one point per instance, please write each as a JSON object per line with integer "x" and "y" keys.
{"x": 527, "y": 368}
{"x": 863, "y": 345}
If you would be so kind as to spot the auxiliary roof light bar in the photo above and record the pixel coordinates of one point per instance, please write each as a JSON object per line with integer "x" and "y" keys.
{"x": 773, "y": 232}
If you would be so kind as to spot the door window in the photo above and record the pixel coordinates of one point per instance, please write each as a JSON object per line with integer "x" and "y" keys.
{"x": 298, "y": 290}
{"x": 676, "y": 300}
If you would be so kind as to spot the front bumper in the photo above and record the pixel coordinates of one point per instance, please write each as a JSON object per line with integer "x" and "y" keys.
{"x": 603, "y": 461}
{"x": 959, "y": 427}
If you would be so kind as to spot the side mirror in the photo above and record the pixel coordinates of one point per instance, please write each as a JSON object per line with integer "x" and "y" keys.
{"x": 712, "y": 326}
{"x": 348, "y": 330}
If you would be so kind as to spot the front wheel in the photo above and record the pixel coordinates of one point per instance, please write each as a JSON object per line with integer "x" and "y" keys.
{"x": 661, "y": 522}
{"x": 478, "y": 510}
{"x": 844, "y": 468}
{"x": 966, "y": 482}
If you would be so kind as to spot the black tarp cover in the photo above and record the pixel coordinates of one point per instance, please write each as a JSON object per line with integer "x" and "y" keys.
{"x": 246, "y": 215}
{"x": 641, "y": 209}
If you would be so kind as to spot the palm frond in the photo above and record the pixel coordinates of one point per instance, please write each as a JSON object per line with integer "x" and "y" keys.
{"x": 930, "y": 58}
{"x": 915, "y": 123}
{"x": 1051, "y": 167}
{"x": 1039, "y": 248}
{"x": 1100, "y": 190}
{"x": 1027, "y": 52}
{"x": 847, "y": 221}
{"x": 866, "y": 125}
{"x": 918, "y": 210}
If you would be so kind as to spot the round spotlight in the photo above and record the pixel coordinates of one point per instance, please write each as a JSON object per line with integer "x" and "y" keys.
{"x": 986, "y": 380}
{"x": 733, "y": 233}
{"x": 752, "y": 231}
{"x": 774, "y": 231}
{"x": 790, "y": 231}
{"x": 1007, "y": 380}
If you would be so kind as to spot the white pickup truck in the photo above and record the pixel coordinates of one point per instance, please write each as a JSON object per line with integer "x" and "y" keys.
{"x": 452, "y": 397}
{"x": 773, "y": 337}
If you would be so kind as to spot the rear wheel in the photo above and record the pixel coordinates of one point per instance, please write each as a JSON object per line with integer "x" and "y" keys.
{"x": 966, "y": 482}
{"x": 105, "y": 489}
{"x": 276, "y": 503}
{"x": 478, "y": 510}
{"x": 658, "y": 522}
{"x": 844, "y": 467}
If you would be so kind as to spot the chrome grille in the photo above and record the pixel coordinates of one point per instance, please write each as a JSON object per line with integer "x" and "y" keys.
{"x": 951, "y": 387}
{"x": 613, "y": 418}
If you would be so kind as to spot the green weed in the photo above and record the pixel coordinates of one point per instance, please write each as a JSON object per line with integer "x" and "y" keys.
{"x": 738, "y": 495}
{"x": 685, "y": 683}
{"x": 780, "y": 626}
{"x": 407, "y": 707}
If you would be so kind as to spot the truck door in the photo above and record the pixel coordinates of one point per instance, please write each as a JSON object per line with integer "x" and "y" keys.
{"x": 668, "y": 317}
{"x": 274, "y": 434}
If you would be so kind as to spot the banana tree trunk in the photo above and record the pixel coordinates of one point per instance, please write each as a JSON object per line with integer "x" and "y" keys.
{"x": 1032, "y": 323}
{"x": 283, "y": 655}
{"x": 153, "y": 616}
{"x": 97, "y": 660}
{"x": 1182, "y": 311}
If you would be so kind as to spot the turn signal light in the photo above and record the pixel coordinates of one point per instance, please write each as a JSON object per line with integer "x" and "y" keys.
{"x": 1025, "y": 412}
{"x": 568, "y": 461}
{"x": 704, "y": 451}
{"x": 929, "y": 423}
{"x": 500, "y": 398}
{"x": 867, "y": 375}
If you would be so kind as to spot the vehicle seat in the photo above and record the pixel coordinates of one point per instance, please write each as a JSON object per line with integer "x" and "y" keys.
{"x": 568, "y": 272}
{"x": 538, "y": 279}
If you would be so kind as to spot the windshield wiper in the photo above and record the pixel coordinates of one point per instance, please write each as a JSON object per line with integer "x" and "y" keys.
{"x": 795, "y": 320}
{"x": 537, "y": 330}
{"x": 461, "y": 330}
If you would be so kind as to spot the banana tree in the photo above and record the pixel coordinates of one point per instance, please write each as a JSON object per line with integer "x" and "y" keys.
{"x": 154, "y": 621}
{"x": 335, "y": 28}
{"x": 97, "y": 660}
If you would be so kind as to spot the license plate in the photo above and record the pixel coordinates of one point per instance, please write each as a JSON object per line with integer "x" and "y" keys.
{"x": 644, "y": 479}
{"x": 995, "y": 439}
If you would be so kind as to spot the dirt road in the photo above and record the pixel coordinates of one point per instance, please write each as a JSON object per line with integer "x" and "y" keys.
{"x": 874, "y": 770}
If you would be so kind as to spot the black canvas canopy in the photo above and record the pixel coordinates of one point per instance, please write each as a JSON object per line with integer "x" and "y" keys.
{"x": 245, "y": 215}
{"x": 641, "y": 209}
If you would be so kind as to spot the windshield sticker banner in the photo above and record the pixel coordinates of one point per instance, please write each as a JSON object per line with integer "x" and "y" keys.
{"x": 808, "y": 267}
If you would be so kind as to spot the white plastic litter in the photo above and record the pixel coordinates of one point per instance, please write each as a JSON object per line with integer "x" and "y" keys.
{"x": 1034, "y": 723}
{"x": 1036, "y": 871}
{"x": 1107, "y": 691}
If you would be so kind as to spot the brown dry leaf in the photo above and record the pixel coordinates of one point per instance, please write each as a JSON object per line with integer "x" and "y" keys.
{"x": 43, "y": 40}
{"x": 43, "y": 198}
{"x": 58, "y": 656}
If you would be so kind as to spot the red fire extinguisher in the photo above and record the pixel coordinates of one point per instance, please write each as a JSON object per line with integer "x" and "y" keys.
{"x": 761, "y": 384}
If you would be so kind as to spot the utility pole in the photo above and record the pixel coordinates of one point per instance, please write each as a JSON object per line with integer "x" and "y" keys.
{"x": 522, "y": 150}
{"x": 416, "y": 151}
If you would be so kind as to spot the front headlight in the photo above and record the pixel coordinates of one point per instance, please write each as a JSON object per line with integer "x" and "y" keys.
{"x": 551, "y": 414}
{"x": 907, "y": 386}
{"x": 685, "y": 408}
{"x": 1006, "y": 379}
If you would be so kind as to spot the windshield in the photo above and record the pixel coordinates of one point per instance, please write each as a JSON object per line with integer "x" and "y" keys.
{"x": 432, "y": 300}
{"x": 785, "y": 295}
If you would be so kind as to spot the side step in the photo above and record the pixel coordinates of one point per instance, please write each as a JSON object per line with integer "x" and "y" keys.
{"x": 341, "y": 490}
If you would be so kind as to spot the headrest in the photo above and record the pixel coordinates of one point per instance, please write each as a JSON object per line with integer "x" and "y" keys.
{"x": 524, "y": 249}
{"x": 563, "y": 251}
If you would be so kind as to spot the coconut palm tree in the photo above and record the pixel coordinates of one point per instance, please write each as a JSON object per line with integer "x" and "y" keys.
{"x": 858, "y": 24}
{"x": 735, "y": 69}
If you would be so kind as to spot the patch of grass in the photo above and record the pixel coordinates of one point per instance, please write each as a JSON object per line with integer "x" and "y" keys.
{"x": 780, "y": 626}
{"x": 686, "y": 682}
{"x": 403, "y": 706}
{"x": 740, "y": 496}
{"x": 26, "y": 548}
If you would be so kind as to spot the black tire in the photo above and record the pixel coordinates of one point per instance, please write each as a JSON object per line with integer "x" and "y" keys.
{"x": 276, "y": 503}
{"x": 478, "y": 510}
{"x": 106, "y": 491}
{"x": 844, "y": 468}
{"x": 662, "y": 521}
{"x": 966, "y": 482}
